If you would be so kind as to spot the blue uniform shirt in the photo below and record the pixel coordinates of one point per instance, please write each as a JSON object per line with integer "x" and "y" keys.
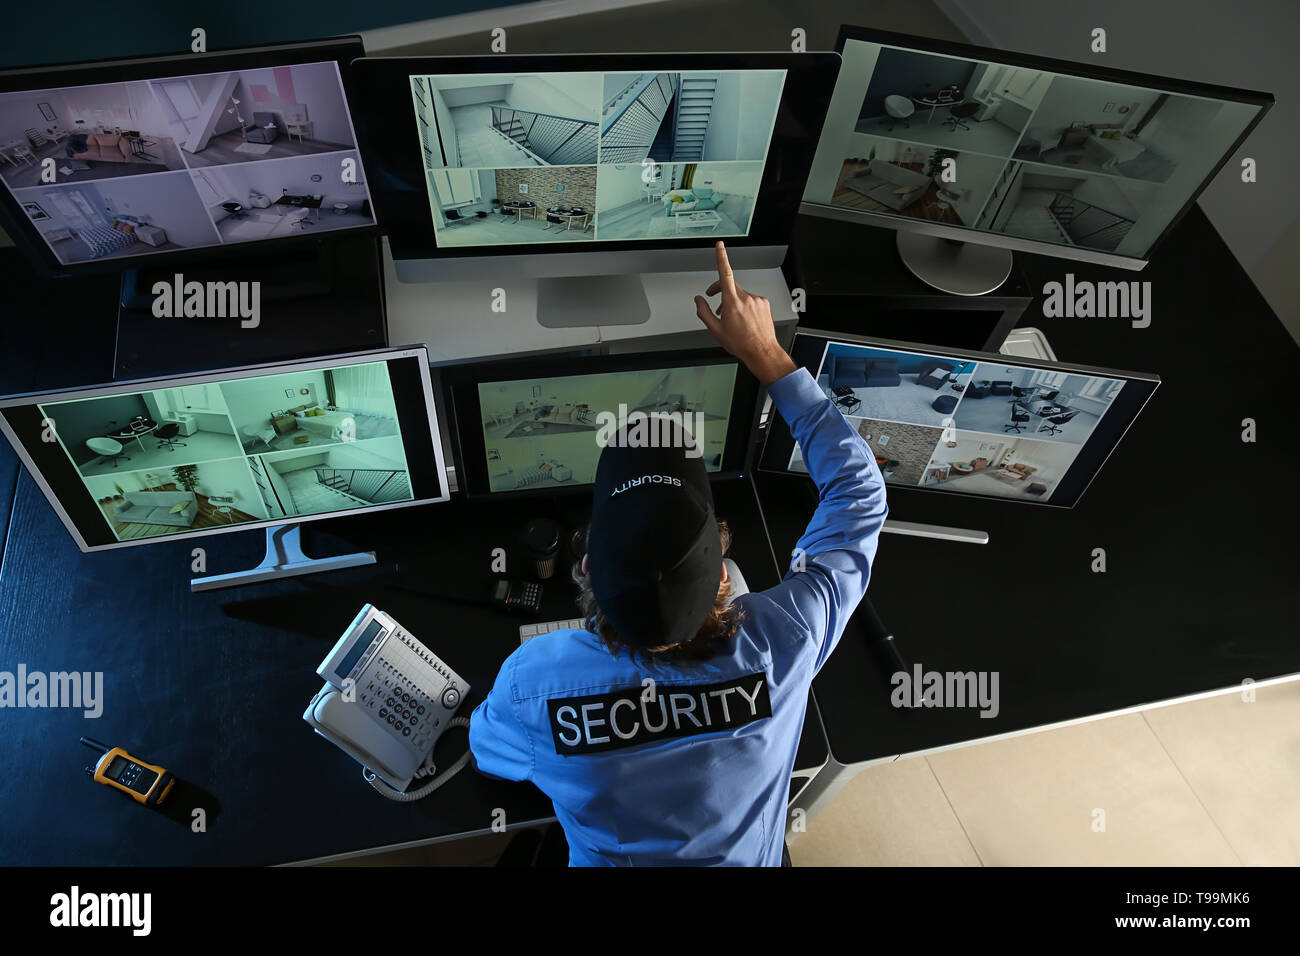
{"x": 698, "y": 773}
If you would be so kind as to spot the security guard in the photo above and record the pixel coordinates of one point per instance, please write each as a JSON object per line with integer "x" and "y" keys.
{"x": 666, "y": 733}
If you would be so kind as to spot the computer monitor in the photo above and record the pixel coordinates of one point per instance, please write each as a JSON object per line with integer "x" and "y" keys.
{"x": 968, "y": 423}
{"x": 257, "y": 447}
{"x": 164, "y": 160}
{"x": 537, "y": 426}
{"x": 586, "y": 171}
{"x": 1002, "y": 151}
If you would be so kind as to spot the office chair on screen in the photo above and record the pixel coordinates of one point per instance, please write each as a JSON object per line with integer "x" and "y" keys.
{"x": 1052, "y": 425}
{"x": 957, "y": 115}
{"x": 1018, "y": 415}
{"x": 166, "y": 435}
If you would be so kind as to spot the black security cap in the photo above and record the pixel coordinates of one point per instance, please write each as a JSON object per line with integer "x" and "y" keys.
{"x": 655, "y": 557}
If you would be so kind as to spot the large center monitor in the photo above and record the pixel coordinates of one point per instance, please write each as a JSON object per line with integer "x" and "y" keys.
{"x": 946, "y": 141}
{"x": 970, "y": 423}
{"x": 138, "y": 462}
{"x": 537, "y": 426}
{"x": 169, "y": 159}
{"x": 581, "y": 165}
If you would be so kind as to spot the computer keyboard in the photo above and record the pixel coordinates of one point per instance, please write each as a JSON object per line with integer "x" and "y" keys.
{"x": 527, "y": 631}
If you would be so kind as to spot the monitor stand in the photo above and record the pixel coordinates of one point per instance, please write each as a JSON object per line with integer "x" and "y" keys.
{"x": 284, "y": 559}
{"x": 575, "y": 301}
{"x": 937, "y": 531}
{"x": 949, "y": 265}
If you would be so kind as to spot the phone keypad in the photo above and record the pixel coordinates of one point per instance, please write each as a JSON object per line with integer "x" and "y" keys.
{"x": 408, "y": 689}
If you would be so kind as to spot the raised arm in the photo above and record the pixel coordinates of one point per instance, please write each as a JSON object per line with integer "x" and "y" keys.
{"x": 830, "y": 570}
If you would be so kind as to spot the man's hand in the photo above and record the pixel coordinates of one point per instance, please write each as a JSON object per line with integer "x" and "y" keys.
{"x": 743, "y": 325}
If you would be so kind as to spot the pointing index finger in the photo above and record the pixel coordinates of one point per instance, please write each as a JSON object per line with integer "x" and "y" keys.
{"x": 725, "y": 276}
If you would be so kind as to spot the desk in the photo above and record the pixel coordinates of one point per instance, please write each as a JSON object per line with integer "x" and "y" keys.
{"x": 1169, "y": 620}
{"x": 300, "y": 202}
{"x": 520, "y": 209}
{"x": 571, "y": 217}
{"x": 213, "y": 685}
{"x": 934, "y": 102}
{"x": 129, "y": 434}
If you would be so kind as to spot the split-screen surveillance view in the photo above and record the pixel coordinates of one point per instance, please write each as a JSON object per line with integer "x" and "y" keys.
{"x": 980, "y": 428}
{"x": 127, "y": 169}
{"x": 173, "y": 460}
{"x": 1021, "y": 152}
{"x": 542, "y": 433}
{"x": 565, "y": 157}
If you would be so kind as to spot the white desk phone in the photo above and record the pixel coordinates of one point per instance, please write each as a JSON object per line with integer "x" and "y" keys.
{"x": 386, "y": 701}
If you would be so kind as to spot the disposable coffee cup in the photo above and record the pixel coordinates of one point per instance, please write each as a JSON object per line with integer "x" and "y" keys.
{"x": 542, "y": 543}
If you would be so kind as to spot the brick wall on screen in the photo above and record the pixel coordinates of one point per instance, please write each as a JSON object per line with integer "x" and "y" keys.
{"x": 579, "y": 185}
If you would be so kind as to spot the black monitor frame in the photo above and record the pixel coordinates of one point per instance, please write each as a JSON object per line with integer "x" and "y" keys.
{"x": 809, "y": 346}
{"x": 342, "y": 50}
{"x": 63, "y": 486}
{"x": 391, "y": 149}
{"x": 460, "y": 384}
{"x": 1065, "y": 68}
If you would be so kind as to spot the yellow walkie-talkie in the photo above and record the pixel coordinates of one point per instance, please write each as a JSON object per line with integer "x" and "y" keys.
{"x": 142, "y": 782}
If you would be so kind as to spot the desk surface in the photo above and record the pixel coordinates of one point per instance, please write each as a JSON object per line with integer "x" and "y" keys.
{"x": 1198, "y": 528}
{"x": 212, "y": 686}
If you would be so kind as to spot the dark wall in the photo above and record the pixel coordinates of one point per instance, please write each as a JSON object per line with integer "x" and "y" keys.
{"x": 77, "y": 421}
{"x": 912, "y": 74}
{"x": 89, "y": 30}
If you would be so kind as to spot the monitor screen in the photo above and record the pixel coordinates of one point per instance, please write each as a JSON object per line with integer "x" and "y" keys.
{"x": 238, "y": 448}
{"x": 967, "y": 422}
{"x": 523, "y": 155}
{"x": 1083, "y": 160}
{"x": 115, "y": 164}
{"x": 512, "y": 159}
{"x": 540, "y": 427}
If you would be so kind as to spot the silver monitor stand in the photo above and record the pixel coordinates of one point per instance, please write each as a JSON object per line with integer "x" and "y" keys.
{"x": 284, "y": 559}
{"x": 566, "y": 302}
{"x": 959, "y": 268}
{"x": 938, "y": 531}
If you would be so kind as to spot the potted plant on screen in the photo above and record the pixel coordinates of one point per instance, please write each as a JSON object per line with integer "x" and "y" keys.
{"x": 187, "y": 476}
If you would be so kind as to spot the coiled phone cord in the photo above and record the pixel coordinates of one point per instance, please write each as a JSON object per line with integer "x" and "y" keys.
{"x": 425, "y": 770}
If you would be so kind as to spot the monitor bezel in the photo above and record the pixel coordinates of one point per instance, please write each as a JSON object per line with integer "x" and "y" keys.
{"x": 460, "y": 384}
{"x": 342, "y": 50}
{"x": 778, "y": 443}
{"x": 1043, "y": 64}
{"x": 391, "y": 146}
{"x": 419, "y": 353}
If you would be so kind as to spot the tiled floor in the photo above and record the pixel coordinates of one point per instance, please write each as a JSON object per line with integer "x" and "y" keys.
{"x": 1206, "y": 783}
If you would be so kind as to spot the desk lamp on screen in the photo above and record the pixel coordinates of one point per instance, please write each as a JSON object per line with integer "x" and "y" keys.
{"x": 268, "y": 446}
{"x": 586, "y": 171}
{"x": 971, "y": 154}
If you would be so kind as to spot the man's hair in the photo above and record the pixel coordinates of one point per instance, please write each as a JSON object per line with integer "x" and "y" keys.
{"x": 720, "y": 626}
